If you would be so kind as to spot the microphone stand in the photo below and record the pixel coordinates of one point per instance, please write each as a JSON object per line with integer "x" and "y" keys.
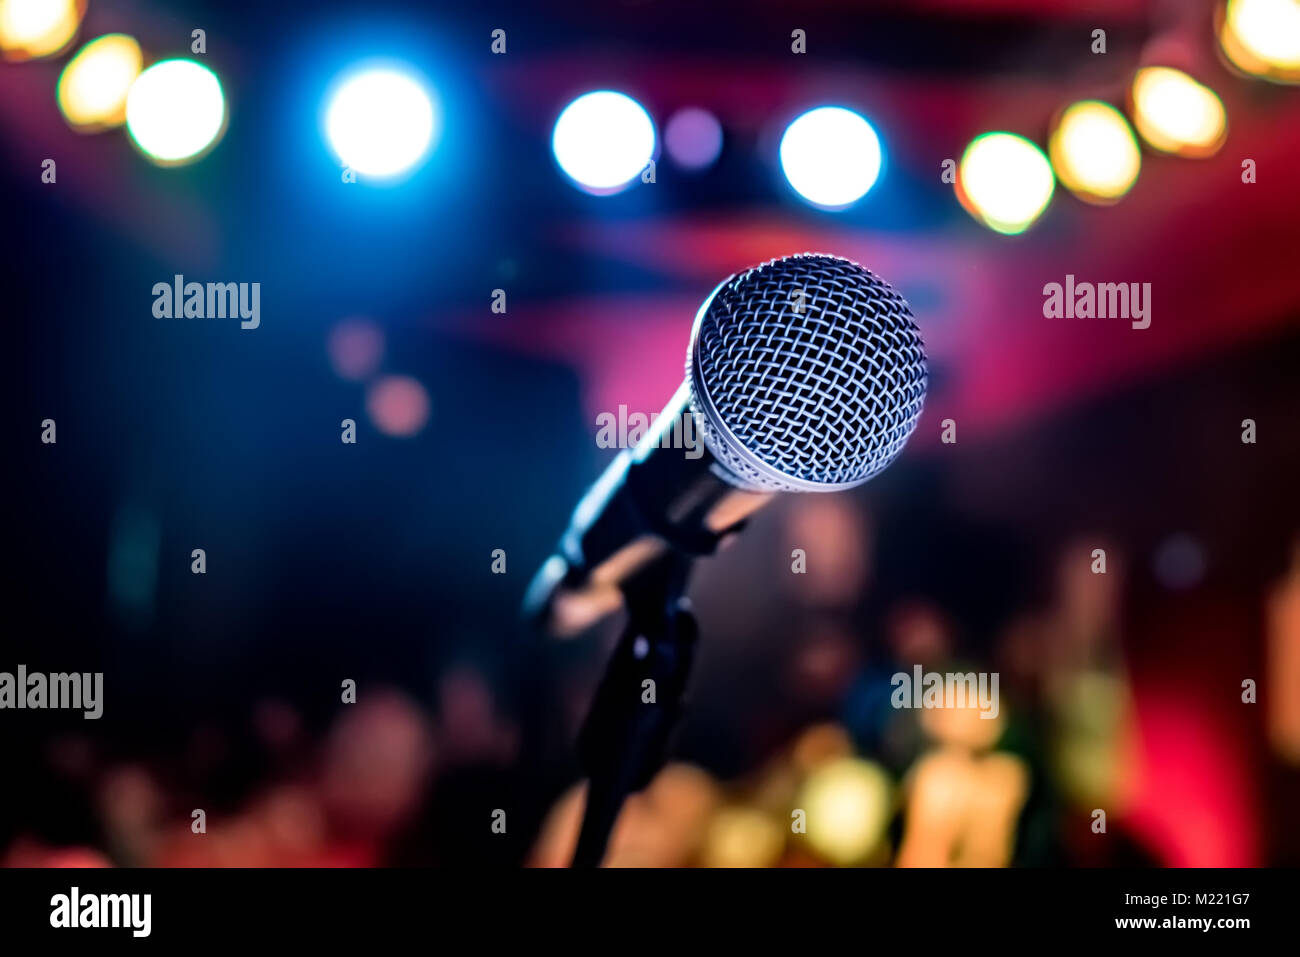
{"x": 624, "y": 740}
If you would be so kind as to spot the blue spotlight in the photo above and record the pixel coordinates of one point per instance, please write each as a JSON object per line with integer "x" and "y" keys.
{"x": 831, "y": 156}
{"x": 603, "y": 141}
{"x": 382, "y": 121}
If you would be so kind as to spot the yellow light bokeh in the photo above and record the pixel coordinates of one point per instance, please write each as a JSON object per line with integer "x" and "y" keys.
{"x": 848, "y": 804}
{"x": 1004, "y": 181}
{"x": 1094, "y": 152}
{"x": 94, "y": 84}
{"x": 30, "y": 29}
{"x": 742, "y": 837}
{"x": 1262, "y": 37}
{"x": 1175, "y": 114}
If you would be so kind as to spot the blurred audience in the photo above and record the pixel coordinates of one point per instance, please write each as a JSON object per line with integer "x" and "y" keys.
{"x": 877, "y": 785}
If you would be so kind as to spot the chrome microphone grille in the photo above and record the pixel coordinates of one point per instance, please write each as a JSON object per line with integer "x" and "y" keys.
{"x": 807, "y": 373}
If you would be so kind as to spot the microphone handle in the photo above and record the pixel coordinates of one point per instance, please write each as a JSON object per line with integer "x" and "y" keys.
{"x": 667, "y": 493}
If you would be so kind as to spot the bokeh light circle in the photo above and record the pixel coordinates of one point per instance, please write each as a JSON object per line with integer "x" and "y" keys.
{"x": 356, "y": 347}
{"x": 398, "y": 405}
{"x": 1004, "y": 181}
{"x": 1262, "y": 38}
{"x": 603, "y": 140}
{"x": 693, "y": 138}
{"x": 831, "y": 156}
{"x": 175, "y": 111}
{"x": 30, "y": 29}
{"x": 1094, "y": 151}
{"x": 847, "y": 803}
{"x": 1176, "y": 114}
{"x": 381, "y": 122}
{"x": 94, "y": 85}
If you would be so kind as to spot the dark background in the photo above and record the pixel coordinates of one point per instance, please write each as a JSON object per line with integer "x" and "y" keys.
{"x": 372, "y": 561}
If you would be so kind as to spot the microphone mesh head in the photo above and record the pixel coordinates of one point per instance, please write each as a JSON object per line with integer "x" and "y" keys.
{"x": 807, "y": 373}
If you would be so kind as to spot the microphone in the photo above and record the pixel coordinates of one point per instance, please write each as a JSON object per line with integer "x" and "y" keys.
{"x": 803, "y": 374}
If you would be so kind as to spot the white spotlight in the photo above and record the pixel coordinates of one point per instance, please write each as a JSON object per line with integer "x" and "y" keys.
{"x": 603, "y": 141}
{"x": 175, "y": 111}
{"x": 381, "y": 122}
{"x": 831, "y": 156}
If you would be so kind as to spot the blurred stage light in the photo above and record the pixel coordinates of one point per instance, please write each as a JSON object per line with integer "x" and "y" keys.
{"x": 1179, "y": 562}
{"x": 1094, "y": 152}
{"x": 742, "y": 837}
{"x": 94, "y": 84}
{"x": 175, "y": 111}
{"x": 1004, "y": 181}
{"x": 398, "y": 405}
{"x": 831, "y": 156}
{"x": 38, "y": 28}
{"x": 381, "y": 122}
{"x": 848, "y": 807}
{"x": 693, "y": 137}
{"x": 1262, "y": 37}
{"x": 603, "y": 140}
{"x": 1175, "y": 114}
{"x": 356, "y": 347}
